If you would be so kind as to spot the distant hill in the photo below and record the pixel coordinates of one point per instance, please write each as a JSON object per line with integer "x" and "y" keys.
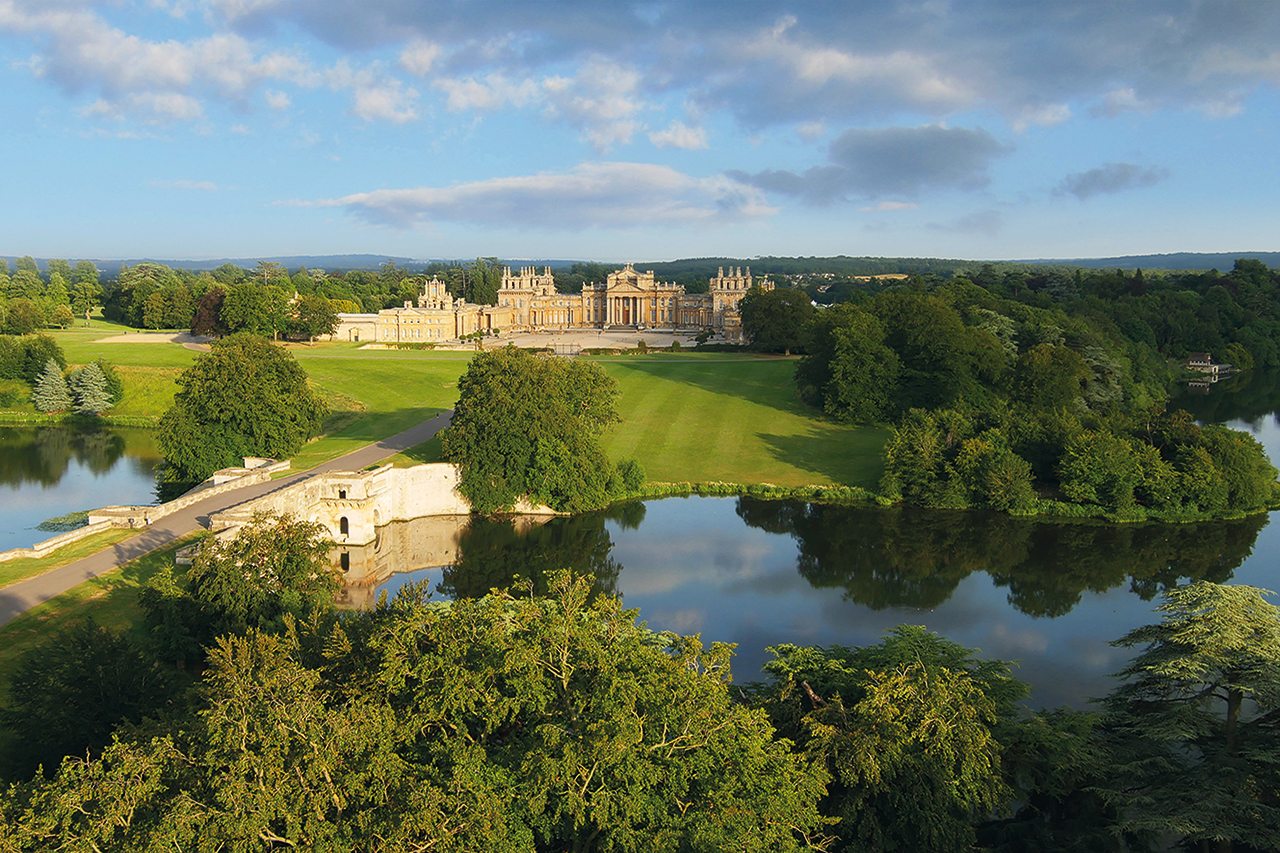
{"x": 1222, "y": 261}
{"x": 694, "y": 270}
{"x": 110, "y": 267}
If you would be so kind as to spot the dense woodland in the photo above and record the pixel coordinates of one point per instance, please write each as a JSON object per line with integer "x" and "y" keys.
{"x": 1039, "y": 393}
{"x": 255, "y": 713}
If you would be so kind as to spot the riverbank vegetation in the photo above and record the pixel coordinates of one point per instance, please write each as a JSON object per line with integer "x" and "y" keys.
{"x": 529, "y": 427}
{"x": 1044, "y": 399}
{"x": 554, "y": 720}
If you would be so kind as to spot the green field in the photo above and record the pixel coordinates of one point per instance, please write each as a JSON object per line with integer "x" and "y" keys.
{"x": 12, "y": 571}
{"x": 110, "y": 600}
{"x": 685, "y": 416}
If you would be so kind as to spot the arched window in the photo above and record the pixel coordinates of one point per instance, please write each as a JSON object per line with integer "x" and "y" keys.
{"x": 345, "y": 561}
{"x": 344, "y": 527}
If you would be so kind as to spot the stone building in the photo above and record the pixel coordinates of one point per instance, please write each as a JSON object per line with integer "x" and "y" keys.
{"x": 528, "y": 301}
{"x": 436, "y": 317}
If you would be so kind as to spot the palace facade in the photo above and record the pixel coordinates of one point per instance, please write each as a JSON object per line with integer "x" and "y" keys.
{"x": 528, "y": 302}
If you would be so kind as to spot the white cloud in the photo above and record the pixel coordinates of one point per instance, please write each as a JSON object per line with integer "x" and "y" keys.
{"x": 1045, "y": 115}
{"x": 602, "y": 100}
{"x": 419, "y": 56}
{"x": 599, "y": 195}
{"x": 491, "y": 92}
{"x": 679, "y": 135}
{"x": 276, "y": 99}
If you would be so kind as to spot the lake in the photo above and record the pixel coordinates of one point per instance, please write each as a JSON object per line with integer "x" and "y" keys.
{"x": 1049, "y": 596}
{"x": 51, "y": 471}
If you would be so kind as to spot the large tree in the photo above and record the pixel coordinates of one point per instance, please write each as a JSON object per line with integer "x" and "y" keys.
{"x": 70, "y": 691}
{"x": 245, "y": 397}
{"x": 907, "y": 729}
{"x": 776, "y": 320}
{"x": 530, "y": 426}
{"x": 1195, "y": 727}
{"x": 510, "y": 722}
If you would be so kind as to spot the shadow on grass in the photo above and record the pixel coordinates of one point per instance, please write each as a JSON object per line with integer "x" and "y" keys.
{"x": 766, "y": 381}
{"x": 838, "y": 454}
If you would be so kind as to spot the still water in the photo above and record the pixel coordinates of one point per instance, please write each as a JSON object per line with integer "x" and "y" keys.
{"x": 51, "y": 471}
{"x": 1048, "y": 596}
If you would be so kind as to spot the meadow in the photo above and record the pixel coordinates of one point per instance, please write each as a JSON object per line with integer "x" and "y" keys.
{"x": 684, "y": 416}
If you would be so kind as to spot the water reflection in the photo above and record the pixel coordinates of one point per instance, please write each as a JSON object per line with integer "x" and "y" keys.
{"x": 51, "y": 471}
{"x": 42, "y": 455}
{"x": 903, "y": 557}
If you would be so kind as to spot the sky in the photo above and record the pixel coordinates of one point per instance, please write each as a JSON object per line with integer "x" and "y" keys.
{"x": 653, "y": 130}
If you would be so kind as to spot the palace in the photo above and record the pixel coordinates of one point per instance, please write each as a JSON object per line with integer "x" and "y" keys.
{"x": 528, "y": 302}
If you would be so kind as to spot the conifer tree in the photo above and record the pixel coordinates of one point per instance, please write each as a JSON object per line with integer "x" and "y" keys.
{"x": 89, "y": 387}
{"x": 51, "y": 393}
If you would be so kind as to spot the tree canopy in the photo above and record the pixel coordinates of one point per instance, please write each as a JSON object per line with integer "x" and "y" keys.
{"x": 529, "y": 426}
{"x": 245, "y": 397}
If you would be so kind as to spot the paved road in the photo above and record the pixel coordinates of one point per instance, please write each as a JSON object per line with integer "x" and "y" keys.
{"x": 22, "y": 596}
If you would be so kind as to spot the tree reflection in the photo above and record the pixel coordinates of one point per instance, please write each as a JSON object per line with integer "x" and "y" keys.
{"x": 494, "y": 552}
{"x": 1249, "y": 397}
{"x": 909, "y": 557}
{"x": 43, "y": 455}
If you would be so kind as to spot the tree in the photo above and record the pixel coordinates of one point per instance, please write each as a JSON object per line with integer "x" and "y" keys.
{"x": 848, "y": 370}
{"x": 89, "y": 388}
{"x": 208, "y": 315}
{"x": 111, "y": 376}
{"x": 37, "y": 351}
{"x": 69, "y": 692}
{"x": 313, "y": 316}
{"x": 274, "y": 566}
{"x": 61, "y": 316}
{"x": 511, "y": 722}
{"x": 51, "y": 393}
{"x": 1049, "y": 376}
{"x": 24, "y": 317}
{"x": 245, "y": 397}
{"x": 907, "y": 730}
{"x": 1192, "y": 730}
{"x": 252, "y": 307}
{"x": 776, "y": 320}
{"x": 526, "y": 425}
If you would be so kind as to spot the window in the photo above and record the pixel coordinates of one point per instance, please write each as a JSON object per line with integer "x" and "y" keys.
{"x": 345, "y": 561}
{"x": 342, "y": 494}
{"x": 344, "y": 527}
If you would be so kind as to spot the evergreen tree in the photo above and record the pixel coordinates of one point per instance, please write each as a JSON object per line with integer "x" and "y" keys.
{"x": 89, "y": 387}
{"x": 51, "y": 393}
{"x": 1193, "y": 728}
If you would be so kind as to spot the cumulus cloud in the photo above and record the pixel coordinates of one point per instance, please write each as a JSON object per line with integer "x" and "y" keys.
{"x": 599, "y": 195}
{"x": 679, "y": 135}
{"x": 419, "y": 56}
{"x": 1111, "y": 178}
{"x": 842, "y": 64}
{"x": 890, "y": 162}
{"x": 276, "y": 99}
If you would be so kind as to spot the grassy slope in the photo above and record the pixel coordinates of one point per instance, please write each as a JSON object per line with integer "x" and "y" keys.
{"x": 110, "y": 600}
{"x": 685, "y": 416}
{"x": 25, "y": 567}
{"x": 727, "y": 417}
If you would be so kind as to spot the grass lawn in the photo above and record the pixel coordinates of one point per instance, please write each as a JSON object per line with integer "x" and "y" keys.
{"x": 25, "y": 567}
{"x": 711, "y": 416}
{"x": 685, "y": 416}
{"x": 110, "y": 600}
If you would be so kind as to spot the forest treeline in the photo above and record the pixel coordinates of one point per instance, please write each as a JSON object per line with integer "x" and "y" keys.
{"x": 1039, "y": 393}
{"x": 251, "y": 713}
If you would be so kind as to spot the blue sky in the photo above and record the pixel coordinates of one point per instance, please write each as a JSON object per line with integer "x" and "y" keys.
{"x": 610, "y": 130}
